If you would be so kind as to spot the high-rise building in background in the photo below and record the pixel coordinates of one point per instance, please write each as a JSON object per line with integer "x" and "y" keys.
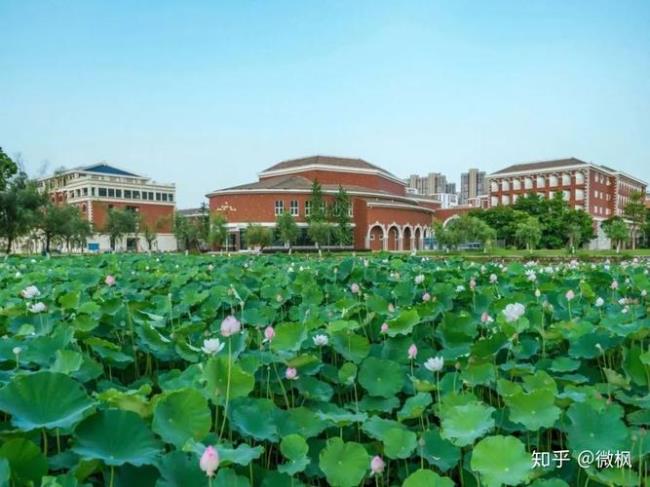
{"x": 432, "y": 183}
{"x": 472, "y": 185}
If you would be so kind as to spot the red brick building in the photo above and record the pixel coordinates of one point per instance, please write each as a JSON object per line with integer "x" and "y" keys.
{"x": 599, "y": 190}
{"x": 383, "y": 215}
{"x": 98, "y": 188}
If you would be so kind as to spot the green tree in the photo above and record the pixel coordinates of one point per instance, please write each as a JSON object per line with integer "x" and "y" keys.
{"x": 578, "y": 227}
{"x": 219, "y": 231}
{"x": 53, "y": 222}
{"x": 150, "y": 231}
{"x": 635, "y": 212}
{"x": 341, "y": 216}
{"x": 19, "y": 205}
{"x": 316, "y": 203}
{"x": 82, "y": 230}
{"x": 120, "y": 223}
{"x": 258, "y": 236}
{"x": 447, "y": 236}
{"x": 319, "y": 232}
{"x": 8, "y": 169}
{"x": 504, "y": 220}
{"x": 287, "y": 229}
{"x": 529, "y": 232}
{"x": 617, "y": 231}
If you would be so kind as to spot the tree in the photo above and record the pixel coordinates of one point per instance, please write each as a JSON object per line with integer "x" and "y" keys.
{"x": 464, "y": 229}
{"x": 219, "y": 231}
{"x": 635, "y": 212}
{"x": 617, "y": 231}
{"x": 319, "y": 232}
{"x": 446, "y": 236}
{"x": 578, "y": 226}
{"x": 316, "y": 203}
{"x": 52, "y": 222}
{"x": 19, "y": 204}
{"x": 504, "y": 220}
{"x": 341, "y": 216}
{"x": 258, "y": 236}
{"x": 287, "y": 229}
{"x": 150, "y": 231}
{"x": 529, "y": 232}
{"x": 82, "y": 229}
{"x": 119, "y": 224}
{"x": 8, "y": 169}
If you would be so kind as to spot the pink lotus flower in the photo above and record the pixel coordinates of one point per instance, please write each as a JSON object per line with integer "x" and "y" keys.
{"x": 377, "y": 465}
{"x": 354, "y": 288}
{"x": 230, "y": 326}
{"x": 384, "y": 328}
{"x": 569, "y": 295}
{"x": 269, "y": 333}
{"x": 291, "y": 373}
{"x": 209, "y": 462}
{"x": 426, "y": 297}
{"x": 412, "y": 352}
{"x": 110, "y": 280}
{"x": 472, "y": 284}
{"x": 486, "y": 318}
{"x": 614, "y": 285}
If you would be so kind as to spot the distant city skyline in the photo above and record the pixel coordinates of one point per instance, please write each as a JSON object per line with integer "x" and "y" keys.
{"x": 207, "y": 95}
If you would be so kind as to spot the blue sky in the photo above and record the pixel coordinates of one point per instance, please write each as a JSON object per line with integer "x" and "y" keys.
{"x": 207, "y": 94}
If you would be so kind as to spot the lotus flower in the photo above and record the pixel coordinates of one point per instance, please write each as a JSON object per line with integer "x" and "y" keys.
{"x": 355, "y": 288}
{"x": 230, "y": 326}
{"x": 486, "y": 318}
{"x": 37, "y": 307}
{"x": 110, "y": 280}
{"x": 377, "y": 465}
{"x": 209, "y": 462}
{"x": 269, "y": 334}
{"x": 599, "y": 302}
{"x": 412, "y": 352}
{"x": 614, "y": 285}
{"x": 570, "y": 295}
{"x": 426, "y": 297}
{"x": 291, "y": 373}
{"x": 493, "y": 278}
{"x": 513, "y": 312}
{"x": 460, "y": 288}
{"x": 384, "y": 328}
{"x": 320, "y": 340}
{"x": 538, "y": 293}
{"x": 434, "y": 364}
{"x": 30, "y": 292}
{"x": 419, "y": 279}
{"x": 212, "y": 346}
{"x": 16, "y": 350}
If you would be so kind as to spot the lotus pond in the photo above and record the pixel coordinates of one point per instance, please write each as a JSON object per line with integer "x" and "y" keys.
{"x": 171, "y": 370}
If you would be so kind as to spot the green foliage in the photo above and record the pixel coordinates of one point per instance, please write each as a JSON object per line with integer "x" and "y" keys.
{"x": 287, "y": 229}
{"x": 319, "y": 232}
{"x": 219, "y": 231}
{"x": 193, "y": 233}
{"x": 258, "y": 236}
{"x": 341, "y": 216}
{"x": 529, "y": 232}
{"x": 617, "y": 231}
{"x": 635, "y": 211}
{"x": 464, "y": 229}
{"x": 19, "y": 205}
{"x": 120, "y": 223}
{"x": 317, "y": 210}
{"x": 8, "y": 169}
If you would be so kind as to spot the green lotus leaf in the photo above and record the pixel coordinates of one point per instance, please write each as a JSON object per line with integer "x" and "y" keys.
{"x": 347, "y": 373}
{"x": 351, "y": 346}
{"x": 288, "y": 337}
{"x": 180, "y": 469}
{"x": 135, "y": 400}
{"x": 377, "y": 427}
{"x": 314, "y": 389}
{"x": 462, "y": 424}
{"x": 181, "y": 415}
{"x": 216, "y": 375}
{"x": 116, "y": 437}
{"x": 549, "y": 483}
{"x": 427, "y": 478}
{"x": 595, "y": 429}
{"x": 439, "y": 452}
{"x": 5, "y": 472}
{"x": 479, "y": 374}
{"x": 344, "y": 463}
{"x": 381, "y": 377}
{"x": 294, "y": 448}
{"x": 302, "y": 421}
{"x": 535, "y": 409}
{"x": 227, "y": 477}
{"x": 415, "y": 406}
{"x": 399, "y": 443}
{"x": 564, "y": 364}
{"x": 26, "y": 462}
{"x": 616, "y": 379}
{"x": 67, "y": 362}
{"x": 404, "y": 323}
{"x": 621, "y": 477}
{"x": 378, "y": 404}
{"x": 44, "y": 400}
{"x": 242, "y": 455}
{"x": 255, "y": 418}
{"x": 501, "y": 460}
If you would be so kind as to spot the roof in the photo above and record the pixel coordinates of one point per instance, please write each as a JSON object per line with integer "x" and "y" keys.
{"x": 294, "y": 182}
{"x": 344, "y": 162}
{"x": 106, "y": 169}
{"x": 192, "y": 211}
{"x": 533, "y": 166}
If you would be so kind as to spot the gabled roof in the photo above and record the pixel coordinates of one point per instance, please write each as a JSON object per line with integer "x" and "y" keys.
{"x": 297, "y": 183}
{"x": 104, "y": 168}
{"x": 343, "y": 162}
{"x": 536, "y": 166}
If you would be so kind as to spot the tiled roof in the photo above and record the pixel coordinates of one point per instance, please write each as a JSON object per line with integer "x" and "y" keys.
{"x": 326, "y": 161}
{"x": 297, "y": 183}
{"x": 536, "y": 166}
{"x": 106, "y": 169}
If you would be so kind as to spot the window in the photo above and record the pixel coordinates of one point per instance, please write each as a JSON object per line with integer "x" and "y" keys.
{"x": 294, "y": 208}
{"x": 111, "y": 193}
{"x": 102, "y": 192}
{"x": 514, "y": 198}
{"x": 171, "y": 196}
{"x": 494, "y": 201}
{"x": 164, "y": 196}
{"x": 505, "y": 199}
{"x": 552, "y": 181}
{"x": 136, "y": 195}
{"x": 158, "y": 197}
{"x": 505, "y": 186}
{"x": 118, "y": 193}
{"x": 127, "y": 194}
{"x": 541, "y": 182}
{"x": 85, "y": 191}
{"x": 150, "y": 195}
{"x": 580, "y": 194}
{"x": 566, "y": 195}
{"x": 566, "y": 179}
{"x": 528, "y": 183}
{"x": 350, "y": 209}
{"x": 516, "y": 184}
{"x": 580, "y": 178}
{"x": 279, "y": 207}
{"x": 307, "y": 208}
{"x": 494, "y": 187}
{"x": 92, "y": 191}
{"x": 145, "y": 195}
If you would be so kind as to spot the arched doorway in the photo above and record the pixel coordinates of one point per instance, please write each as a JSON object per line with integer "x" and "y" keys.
{"x": 406, "y": 238}
{"x": 418, "y": 239}
{"x": 376, "y": 238}
{"x": 393, "y": 238}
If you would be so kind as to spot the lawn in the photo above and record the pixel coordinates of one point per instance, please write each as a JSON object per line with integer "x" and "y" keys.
{"x": 278, "y": 370}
